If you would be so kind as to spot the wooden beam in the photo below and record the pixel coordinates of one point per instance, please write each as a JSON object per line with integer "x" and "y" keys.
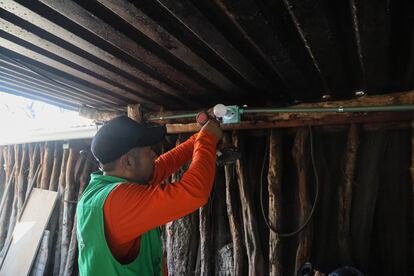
{"x": 96, "y": 114}
{"x": 337, "y": 119}
{"x": 286, "y": 120}
{"x": 135, "y": 112}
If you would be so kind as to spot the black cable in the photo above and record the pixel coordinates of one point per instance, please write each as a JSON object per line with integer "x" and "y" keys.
{"x": 272, "y": 228}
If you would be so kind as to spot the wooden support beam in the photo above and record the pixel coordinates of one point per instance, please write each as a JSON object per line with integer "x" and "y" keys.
{"x": 134, "y": 112}
{"x": 303, "y": 251}
{"x": 96, "y": 114}
{"x": 286, "y": 120}
{"x": 234, "y": 223}
{"x": 345, "y": 196}
{"x": 305, "y": 120}
{"x": 274, "y": 178}
{"x": 412, "y": 178}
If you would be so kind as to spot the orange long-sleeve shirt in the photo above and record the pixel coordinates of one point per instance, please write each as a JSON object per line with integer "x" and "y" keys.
{"x": 132, "y": 209}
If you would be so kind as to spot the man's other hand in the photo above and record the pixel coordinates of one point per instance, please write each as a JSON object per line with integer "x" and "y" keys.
{"x": 213, "y": 127}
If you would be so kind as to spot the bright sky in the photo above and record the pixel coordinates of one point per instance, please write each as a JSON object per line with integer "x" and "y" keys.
{"x": 20, "y": 116}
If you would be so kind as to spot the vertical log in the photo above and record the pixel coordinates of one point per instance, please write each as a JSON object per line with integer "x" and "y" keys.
{"x": 9, "y": 159}
{"x": 57, "y": 161}
{"x": 68, "y": 207}
{"x": 364, "y": 199}
{"x": 61, "y": 192}
{"x": 2, "y": 173}
{"x": 345, "y": 196}
{"x": 21, "y": 181}
{"x": 251, "y": 231}
{"x": 7, "y": 199}
{"x": 412, "y": 188}
{"x": 223, "y": 251}
{"x": 134, "y": 112}
{"x": 47, "y": 163}
{"x": 305, "y": 237}
{"x": 39, "y": 265}
{"x": 41, "y": 157}
{"x": 234, "y": 224}
{"x": 274, "y": 179}
{"x": 14, "y": 214}
{"x": 73, "y": 246}
{"x": 35, "y": 159}
{"x": 182, "y": 238}
{"x": 205, "y": 241}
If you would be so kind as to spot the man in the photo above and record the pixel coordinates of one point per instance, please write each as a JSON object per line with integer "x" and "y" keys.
{"x": 120, "y": 211}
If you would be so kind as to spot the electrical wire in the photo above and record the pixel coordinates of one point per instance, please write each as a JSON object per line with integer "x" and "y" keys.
{"x": 271, "y": 227}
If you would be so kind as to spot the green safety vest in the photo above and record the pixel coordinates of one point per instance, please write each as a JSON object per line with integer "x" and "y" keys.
{"x": 95, "y": 257}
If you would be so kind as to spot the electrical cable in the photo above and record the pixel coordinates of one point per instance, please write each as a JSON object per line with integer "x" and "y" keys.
{"x": 271, "y": 227}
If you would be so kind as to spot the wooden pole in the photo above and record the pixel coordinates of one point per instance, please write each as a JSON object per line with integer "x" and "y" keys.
{"x": 61, "y": 192}
{"x": 96, "y": 114}
{"x": 205, "y": 241}
{"x": 73, "y": 246}
{"x": 21, "y": 181}
{"x": 47, "y": 165}
{"x": 68, "y": 207}
{"x": 345, "y": 196}
{"x": 57, "y": 161}
{"x": 134, "y": 112}
{"x": 274, "y": 179}
{"x": 39, "y": 265}
{"x": 305, "y": 237}
{"x": 14, "y": 211}
{"x": 234, "y": 224}
{"x": 298, "y": 121}
{"x": 35, "y": 157}
{"x": 251, "y": 231}
{"x": 182, "y": 238}
{"x": 412, "y": 185}
{"x": 41, "y": 157}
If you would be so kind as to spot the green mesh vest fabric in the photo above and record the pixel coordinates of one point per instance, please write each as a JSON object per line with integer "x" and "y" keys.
{"x": 95, "y": 257}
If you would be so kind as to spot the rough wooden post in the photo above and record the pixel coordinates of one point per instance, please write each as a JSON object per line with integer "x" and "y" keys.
{"x": 21, "y": 181}
{"x": 57, "y": 161}
{"x": 274, "y": 179}
{"x": 345, "y": 196}
{"x": 2, "y": 172}
{"x": 68, "y": 206}
{"x": 47, "y": 165}
{"x": 134, "y": 112}
{"x": 251, "y": 231}
{"x": 412, "y": 181}
{"x": 234, "y": 224}
{"x": 73, "y": 246}
{"x": 61, "y": 192}
{"x": 182, "y": 238}
{"x": 35, "y": 159}
{"x": 205, "y": 241}
{"x": 39, "y": 265}
{"x": 305, "y": 237}
{"x": 7, "y": 199}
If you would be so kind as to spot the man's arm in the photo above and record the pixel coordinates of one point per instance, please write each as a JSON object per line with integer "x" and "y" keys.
{"x": 131, "y": 209}
{"x": 171, "y": 161}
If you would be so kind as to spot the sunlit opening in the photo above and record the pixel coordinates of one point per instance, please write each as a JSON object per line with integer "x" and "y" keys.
{"x": 21, "y": 118}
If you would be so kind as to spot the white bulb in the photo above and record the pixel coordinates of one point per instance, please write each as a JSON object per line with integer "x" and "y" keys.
{"x": 220, "y": 110}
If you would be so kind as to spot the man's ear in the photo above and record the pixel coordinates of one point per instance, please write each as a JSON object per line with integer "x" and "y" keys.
{"x": 129, "y": 160}
{"x": 123, "y": 161}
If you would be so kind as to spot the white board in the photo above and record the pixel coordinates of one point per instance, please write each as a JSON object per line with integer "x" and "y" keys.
{"x": 28, "y": 233}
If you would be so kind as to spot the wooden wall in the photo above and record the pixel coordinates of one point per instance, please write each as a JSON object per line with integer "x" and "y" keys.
{"x": 364, "y": 215}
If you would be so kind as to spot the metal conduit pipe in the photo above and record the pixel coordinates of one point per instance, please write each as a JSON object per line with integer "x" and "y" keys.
{"x": 339, "y": 109}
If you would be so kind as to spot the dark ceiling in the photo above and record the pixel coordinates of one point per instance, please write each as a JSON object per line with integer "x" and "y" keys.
{"x": 191, "y": 54}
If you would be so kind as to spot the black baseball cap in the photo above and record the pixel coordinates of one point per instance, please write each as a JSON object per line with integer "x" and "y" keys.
{"x": 121, "y": 134}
